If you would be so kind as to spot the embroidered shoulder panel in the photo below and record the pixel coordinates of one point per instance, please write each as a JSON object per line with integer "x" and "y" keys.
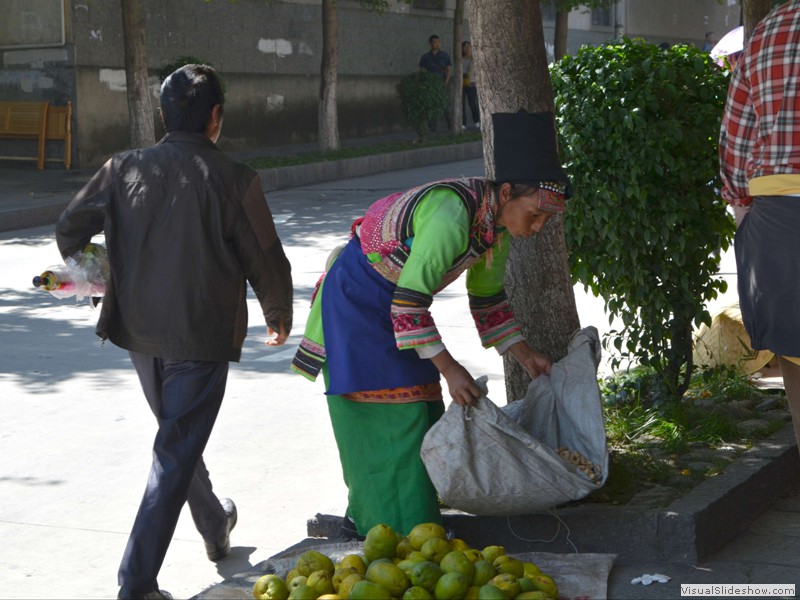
{"x": 389, "y": 222}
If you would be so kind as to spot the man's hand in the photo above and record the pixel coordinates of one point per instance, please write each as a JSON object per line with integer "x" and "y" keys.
{"x": 739, "y": 212}
{"x": 280, "y": 337}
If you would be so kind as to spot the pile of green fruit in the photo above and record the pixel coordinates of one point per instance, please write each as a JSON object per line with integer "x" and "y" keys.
{"x": 422, "y": 565}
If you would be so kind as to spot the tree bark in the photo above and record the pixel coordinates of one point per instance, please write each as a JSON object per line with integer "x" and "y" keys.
{"x": 327, "y": 117}
{"x": 515, "y": 76}
{"x": 140, "y": 107}
{"x": 456, "y": 81}
{"x": 560, "y": 35}
{"x": 752, "y": 12}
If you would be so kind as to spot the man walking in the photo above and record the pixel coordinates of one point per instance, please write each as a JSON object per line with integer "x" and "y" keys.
{"x": 437, "y": 61}
{"x": 186, "y": 228}
{"x": 760, "y": 167}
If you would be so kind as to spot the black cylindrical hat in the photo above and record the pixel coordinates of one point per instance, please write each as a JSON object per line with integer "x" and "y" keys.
{"x": 525, "y": 149}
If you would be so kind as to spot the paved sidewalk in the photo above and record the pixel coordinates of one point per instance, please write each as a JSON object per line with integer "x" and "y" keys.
{"x": 30, "y": 198}
{"x": 33, "y": 524}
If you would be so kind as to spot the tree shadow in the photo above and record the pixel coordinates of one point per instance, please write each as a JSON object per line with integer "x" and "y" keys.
{"x": 31, "y": 481}
{"x": 66, "y": 346}
{"x": 37, "y": 240}
{"x": 320, "y": 211}
{"x": 311, "y": 221}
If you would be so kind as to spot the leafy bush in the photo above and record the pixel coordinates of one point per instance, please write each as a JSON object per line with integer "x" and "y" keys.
{"x": 422, "y": 97}
{"x": 638, "y": 129}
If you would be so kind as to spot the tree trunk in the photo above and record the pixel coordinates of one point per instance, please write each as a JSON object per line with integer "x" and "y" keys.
{"x": 752, "y": 12}
{"x": 513, "y": 77}
{"x": 456, "y": 81}
{"x": 140, "y": 107}
{"x": 327, "y": 118}
{"x": 560, "y": 34}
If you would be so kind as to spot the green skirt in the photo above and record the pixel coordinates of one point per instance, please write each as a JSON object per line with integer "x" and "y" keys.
{"x": 379, "y": 447}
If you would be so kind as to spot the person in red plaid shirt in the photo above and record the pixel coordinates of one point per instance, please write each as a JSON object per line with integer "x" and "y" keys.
{"x": 760, "y": 167}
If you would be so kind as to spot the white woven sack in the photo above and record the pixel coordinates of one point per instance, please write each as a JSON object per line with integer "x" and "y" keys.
{"x": 494, "y": 461}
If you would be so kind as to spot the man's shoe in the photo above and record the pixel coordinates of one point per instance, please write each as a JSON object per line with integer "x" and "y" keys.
{"x": 128, "y": 594}
{"x": 219, "y": 550}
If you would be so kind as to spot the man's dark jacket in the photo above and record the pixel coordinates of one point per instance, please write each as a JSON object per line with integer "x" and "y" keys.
{"x": 186, "y": 227}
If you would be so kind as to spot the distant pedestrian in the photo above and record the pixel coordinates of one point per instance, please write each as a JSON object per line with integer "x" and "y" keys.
{"x": 469, "y": 88}
{"x": 760, "y": 167}
{"x": 437, "y": 61}
{"x": 186, "y": 228}
{"x": 710, "y": 42}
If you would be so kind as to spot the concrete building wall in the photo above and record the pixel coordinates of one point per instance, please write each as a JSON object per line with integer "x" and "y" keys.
{"x": 657, "y": 21}
{"x": 679, "y": 21}
{"x": 269, "y": 52}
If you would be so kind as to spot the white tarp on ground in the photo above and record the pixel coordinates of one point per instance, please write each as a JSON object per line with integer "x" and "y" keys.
{"x": 576, "y": 575}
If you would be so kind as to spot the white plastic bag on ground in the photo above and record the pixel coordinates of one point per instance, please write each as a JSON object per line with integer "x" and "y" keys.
{"x": 493, "y": 461}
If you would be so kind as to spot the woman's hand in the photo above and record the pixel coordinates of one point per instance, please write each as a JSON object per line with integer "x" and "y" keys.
{"x": 535, "y": 363}
{"x": 462, "y": 386}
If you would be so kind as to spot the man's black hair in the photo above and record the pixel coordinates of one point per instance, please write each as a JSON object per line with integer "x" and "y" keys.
{"x": 187, "y": 97}
{"x": 433, "y": 37}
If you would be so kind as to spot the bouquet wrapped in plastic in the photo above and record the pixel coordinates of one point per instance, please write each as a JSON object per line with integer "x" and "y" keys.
{"x": 83, "y": 275}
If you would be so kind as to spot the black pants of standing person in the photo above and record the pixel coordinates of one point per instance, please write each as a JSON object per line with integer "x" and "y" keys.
{"x": 469, "y": 97}
{"x": 185, "y": 396}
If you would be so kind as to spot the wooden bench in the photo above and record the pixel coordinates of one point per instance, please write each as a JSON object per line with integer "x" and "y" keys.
{"x": 37, "y": 121}
{"x": 59, "y": 127}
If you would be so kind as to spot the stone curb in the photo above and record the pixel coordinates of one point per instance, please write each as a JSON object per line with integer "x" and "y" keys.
{"x": 302, "y": 175}
{"x": 688, "y": 530}
{"x": 32, "y": 216}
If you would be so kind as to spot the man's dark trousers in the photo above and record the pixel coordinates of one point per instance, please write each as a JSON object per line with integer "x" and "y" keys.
{"x": 185, "y": 396}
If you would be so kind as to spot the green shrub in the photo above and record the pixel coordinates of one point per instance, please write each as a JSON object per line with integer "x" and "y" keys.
{"x": 422, "y": 97}
{"x": 638, "y": 131}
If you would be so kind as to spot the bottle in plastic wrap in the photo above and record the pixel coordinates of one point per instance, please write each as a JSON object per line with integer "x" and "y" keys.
{"x": 83, "y": 275}
{"x": 53, "y": 280}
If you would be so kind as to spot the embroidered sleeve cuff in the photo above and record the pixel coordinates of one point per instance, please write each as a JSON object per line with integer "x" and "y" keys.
{"x": 309, "y": 359}
{"x": 412, "y": 321}
{"x": 413, "y": 327}
{"x": 494, "y": 319}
